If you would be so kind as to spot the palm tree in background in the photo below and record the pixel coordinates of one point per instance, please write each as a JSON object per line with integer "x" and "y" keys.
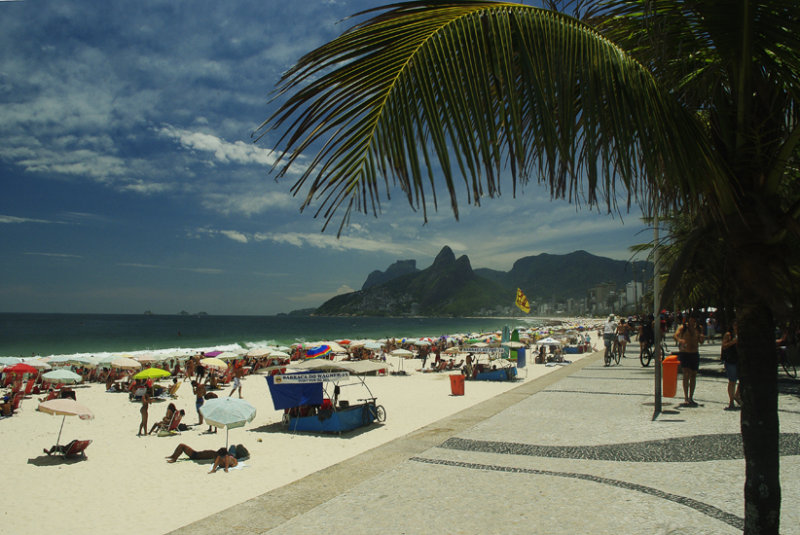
{"x": 687, "y": 106}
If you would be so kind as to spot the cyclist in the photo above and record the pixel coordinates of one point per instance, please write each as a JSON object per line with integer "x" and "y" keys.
{"x": 647, "y": 335}
{"x": 609, "y": 333}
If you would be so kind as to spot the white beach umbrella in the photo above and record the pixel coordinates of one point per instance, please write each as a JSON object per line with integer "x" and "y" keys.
{"x": 125, "y": 363}
{"x": 227, "y": 412}
{"x": 38, "y": 363}
{"x": 65, "y": 407}
{"x": 549, "y": 341}
{"x": 61, "y": 376}
{"x": 279, "y": 355}
{"x": 404, "y": 353}
{"x": 228, "y": 355}
{"x": 259, "y": 352}
{"x": 9, "y": 361}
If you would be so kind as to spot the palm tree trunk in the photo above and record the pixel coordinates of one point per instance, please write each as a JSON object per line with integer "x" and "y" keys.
{"x": 759, "y": 416}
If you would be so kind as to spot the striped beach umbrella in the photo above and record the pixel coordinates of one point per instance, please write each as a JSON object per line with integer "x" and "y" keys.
{"x": 318, "y": 352}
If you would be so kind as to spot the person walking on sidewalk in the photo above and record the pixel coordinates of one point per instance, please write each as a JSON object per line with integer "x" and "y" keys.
{"x": 730, "y": 359}
{"x": 689, "y": 336}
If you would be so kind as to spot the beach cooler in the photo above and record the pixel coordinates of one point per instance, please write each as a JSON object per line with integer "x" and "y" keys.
{"x": 669, "y": 376}
{"x": 457, "y": 384}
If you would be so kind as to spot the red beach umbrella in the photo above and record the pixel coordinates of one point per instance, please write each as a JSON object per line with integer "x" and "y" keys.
{"x": 20, "y": 368}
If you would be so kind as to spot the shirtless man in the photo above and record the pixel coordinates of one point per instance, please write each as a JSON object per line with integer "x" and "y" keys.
{"x": 689, "y": 336}
{"x": 200, "y": 398}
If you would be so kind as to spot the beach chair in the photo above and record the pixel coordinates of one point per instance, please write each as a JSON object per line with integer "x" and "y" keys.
{"x": 29, "y": 386}
{"x": 172, "y": 428}
{"x": 137, "y": 394}
{"x": 71, "y": 449}
{"x": 16, "y": 402}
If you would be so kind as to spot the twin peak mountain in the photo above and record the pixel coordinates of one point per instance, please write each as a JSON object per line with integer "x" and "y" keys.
{"x": 450, "y": 287}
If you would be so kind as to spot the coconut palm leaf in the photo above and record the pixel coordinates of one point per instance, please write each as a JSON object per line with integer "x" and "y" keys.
{"x": 471, "y": 92}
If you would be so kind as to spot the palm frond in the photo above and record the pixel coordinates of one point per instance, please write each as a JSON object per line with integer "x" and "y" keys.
{"x": 475, "y": 92}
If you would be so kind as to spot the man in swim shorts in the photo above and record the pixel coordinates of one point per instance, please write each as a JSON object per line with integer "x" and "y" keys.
{"x": 689, "y": 336}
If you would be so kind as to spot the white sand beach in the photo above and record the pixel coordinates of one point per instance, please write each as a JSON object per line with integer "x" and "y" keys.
{"x": 126, "y": 486}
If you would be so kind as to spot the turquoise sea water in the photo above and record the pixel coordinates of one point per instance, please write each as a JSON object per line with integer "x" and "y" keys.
{"x": 68, "y": 334}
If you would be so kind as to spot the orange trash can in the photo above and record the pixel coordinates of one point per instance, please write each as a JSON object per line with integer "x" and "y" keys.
{"x": 669, "y": 376}
{"x": 457, "y": 384}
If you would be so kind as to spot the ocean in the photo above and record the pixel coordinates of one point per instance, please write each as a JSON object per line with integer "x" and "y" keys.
{"x": 25, "y": 335}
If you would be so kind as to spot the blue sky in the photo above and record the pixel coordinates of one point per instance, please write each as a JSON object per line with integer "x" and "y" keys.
{"x": 130, "y": 181}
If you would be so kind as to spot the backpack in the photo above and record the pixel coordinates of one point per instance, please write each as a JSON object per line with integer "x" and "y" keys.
{"x": 241, "y": 452}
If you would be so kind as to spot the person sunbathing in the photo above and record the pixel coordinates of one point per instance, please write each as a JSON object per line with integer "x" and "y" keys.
{"x": 166, "y": 420}
{"x": 194, "y": 455}
{"x": 223, "y": 459}
{"x": 59, "y": 448}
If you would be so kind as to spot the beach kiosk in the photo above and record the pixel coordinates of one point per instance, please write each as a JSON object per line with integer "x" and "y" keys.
{"x": 309, "y": 395}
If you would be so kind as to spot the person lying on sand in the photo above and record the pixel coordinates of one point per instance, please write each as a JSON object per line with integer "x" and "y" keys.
{"x": 192, "y": 454}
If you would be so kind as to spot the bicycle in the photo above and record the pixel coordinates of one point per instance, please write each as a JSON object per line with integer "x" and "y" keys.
{"x": 374, "y": 411}
{"x": 786, "y": 362}
{"x": 608, "y": 355}
{"x": 648, "y": 354}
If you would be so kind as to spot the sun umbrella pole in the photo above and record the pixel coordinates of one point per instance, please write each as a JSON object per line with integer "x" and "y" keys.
{"x": 58, "y": 440}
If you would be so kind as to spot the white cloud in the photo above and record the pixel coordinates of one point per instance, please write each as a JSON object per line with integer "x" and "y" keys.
{"x": 54, "y": 255}
{"x": 223, "y": 151}
{"x": 234, "y": 235}
{"x": 247, "y": 204}
{"x": 16, "y": 220}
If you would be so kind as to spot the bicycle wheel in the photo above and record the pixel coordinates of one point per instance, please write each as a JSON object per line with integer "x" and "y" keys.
{"x": 789, "y": 368}
{"x": 646, "y": 356}
{"x": 380, "y": 413}
{"x": 617, "y": 355}
{"x": 607, "y": 356}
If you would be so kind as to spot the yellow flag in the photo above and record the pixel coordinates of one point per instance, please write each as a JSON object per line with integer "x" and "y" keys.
{"x": 522, "y": 302}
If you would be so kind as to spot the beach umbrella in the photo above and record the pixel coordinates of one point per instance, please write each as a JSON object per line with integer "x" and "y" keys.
{"x": 259, "y": 352}
{"x": 65, "y": 407}
{"x": 212, "y": 353}
{"x": 317, "y": 352}
{"x": 20, "y": 368}
{"x": 404, "y": 353}
{"x": 227, "y": 412}
{"x": 39, "y": 364}
{"x": 60, "y": 360}
{"x": 146, "y": 359}
{"x": 125, "y": 363}
{"x": 227, "y": 355}
{"x": 214, "y": 362}
{"x": 549, "y": 341}
{"x": 9, "y": 361}
{"x": 152, "y": 373}
{"x": 373, "y": 346}
{"x": 279, "y": 355}
{"x": 61, "y": 376}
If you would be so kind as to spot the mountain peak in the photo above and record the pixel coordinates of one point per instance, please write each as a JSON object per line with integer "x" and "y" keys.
{"x": 446, "y": 257}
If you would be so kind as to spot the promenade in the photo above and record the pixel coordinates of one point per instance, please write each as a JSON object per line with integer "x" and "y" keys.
{"x": 576, "y": 451}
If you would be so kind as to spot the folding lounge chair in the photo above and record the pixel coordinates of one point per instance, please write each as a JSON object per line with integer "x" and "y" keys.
{"x": 172, "y": 428}
{"x": 72, "y": 449}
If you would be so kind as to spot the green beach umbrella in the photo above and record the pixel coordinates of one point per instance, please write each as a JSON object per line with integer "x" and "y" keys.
{"x": 152, "y": 373}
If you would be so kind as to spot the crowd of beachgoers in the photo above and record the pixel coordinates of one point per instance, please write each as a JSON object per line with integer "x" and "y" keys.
{"x": 414, "y": 389}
